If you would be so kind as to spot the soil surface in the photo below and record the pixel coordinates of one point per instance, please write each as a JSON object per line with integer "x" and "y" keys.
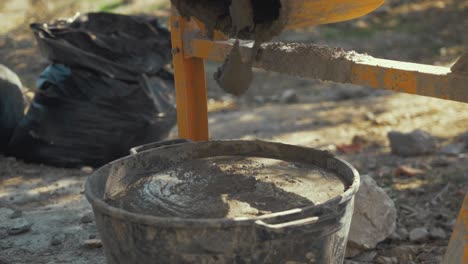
{"x": 47, "y": 216}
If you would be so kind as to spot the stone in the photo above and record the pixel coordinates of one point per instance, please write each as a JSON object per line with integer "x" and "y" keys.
{"x": 453, "y": 149}
{"x": 395, "y": 236}
{"x": 419, "y": 234}
{"x": 87, "y": 169}
{"x": 367, "y": 256}
{"x": 92, "y": 243}
{"x": 463, "y": 138}
{"x": 403, "y": 233}
{"x": 441, "y": 162}
{"x": 404, "y": 253}
{"x": 374, "y": 218}
{"x": 5, "y": 213}
{"x": 289, "y": 97}
{"x": 87, "y": 218}
{"x": 57, "y": 239}
{"x": 19, "y": 226}
{"x": 386, "y": 260}
{"x": 16, "y": 214}
{"x": 347, "y": 261}
{"x": 415, "y": 143}
{"x": 437, "y": 233}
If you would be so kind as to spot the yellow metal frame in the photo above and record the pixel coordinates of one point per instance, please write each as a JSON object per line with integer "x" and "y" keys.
{"x": 190, "y": 82}
{"x": 191, "y": 48}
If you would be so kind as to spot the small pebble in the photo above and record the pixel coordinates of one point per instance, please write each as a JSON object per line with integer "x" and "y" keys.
{"x": 419, "y": 234}
{"x": 395, "y": 236}
{"x": 87, "y": 169}
{"x": 57, "y": 239}
{"x": 367, "y": 256}
{"x": 92, "y": 243}
{"x": 386, "y": 260}
{"x": 16, "y": 214}
{"x": 403, "y": 233}
{"x": 437, "y": 233}
{"x": 453, "y": 149}
{"x": 87, "y": 218}
{"x": 415, "y": 143}
{"x": 289, "y": 97}
{"x": 19, "y": 226}
{"x": 441, "y": 162}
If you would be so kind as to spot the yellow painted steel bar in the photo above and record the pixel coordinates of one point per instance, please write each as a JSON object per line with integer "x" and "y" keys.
{"x": 413, "y": 78}
{"x": 190, "y": 83}
{"x": 457, "y": 252}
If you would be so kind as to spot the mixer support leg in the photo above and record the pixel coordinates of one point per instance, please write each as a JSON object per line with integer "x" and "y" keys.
{"x": 190, "y": 83}
{"x": 457, "y": 252}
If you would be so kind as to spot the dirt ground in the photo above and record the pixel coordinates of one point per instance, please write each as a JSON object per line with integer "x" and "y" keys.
{"x": 325, "y": 115}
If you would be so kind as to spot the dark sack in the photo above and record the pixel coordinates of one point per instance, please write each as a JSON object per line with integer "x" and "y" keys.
{"x": 11, "y": 105}
{"x": 106, "y": 90}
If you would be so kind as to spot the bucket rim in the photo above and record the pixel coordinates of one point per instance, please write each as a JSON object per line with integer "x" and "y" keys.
{"x": 100, "y": 206}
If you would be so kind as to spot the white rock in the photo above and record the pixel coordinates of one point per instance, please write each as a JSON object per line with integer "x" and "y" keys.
{"x": 374, "y": 218}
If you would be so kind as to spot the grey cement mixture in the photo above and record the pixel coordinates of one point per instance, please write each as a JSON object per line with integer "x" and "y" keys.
{"x": 230, "y": 187}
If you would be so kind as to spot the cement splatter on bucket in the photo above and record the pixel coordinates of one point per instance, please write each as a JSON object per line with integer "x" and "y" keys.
{"x": 224, "y": 202}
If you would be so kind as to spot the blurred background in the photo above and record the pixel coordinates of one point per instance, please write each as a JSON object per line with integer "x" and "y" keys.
{"x": 351, "y": 121}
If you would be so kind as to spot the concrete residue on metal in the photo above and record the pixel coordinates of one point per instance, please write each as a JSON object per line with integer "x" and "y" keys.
{"x": 230, "y": 187}
{"x": 306, "y": 60}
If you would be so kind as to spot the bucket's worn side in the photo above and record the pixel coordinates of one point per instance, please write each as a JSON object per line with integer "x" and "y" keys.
{"x": 127, "y": 242}
{"x": 314, "y": 234}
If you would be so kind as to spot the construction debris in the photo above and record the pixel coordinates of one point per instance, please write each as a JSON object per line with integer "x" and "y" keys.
{"x": 415, "y": 143}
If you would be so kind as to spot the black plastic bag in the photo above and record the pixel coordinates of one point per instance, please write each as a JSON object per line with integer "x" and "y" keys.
{"x": 11, "y": 104}
{"x": 106, "y": 91}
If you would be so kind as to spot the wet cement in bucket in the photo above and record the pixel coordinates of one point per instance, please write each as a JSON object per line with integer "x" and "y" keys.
{"x": 229, "y": 187}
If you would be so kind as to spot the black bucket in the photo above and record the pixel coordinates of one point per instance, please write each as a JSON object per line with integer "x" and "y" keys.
{"x": 309, "y": 233}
